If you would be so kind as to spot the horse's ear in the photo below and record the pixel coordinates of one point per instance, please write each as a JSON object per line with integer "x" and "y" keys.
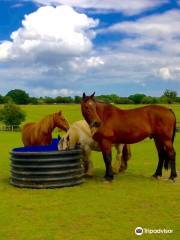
{"x": 84, "y": 95}
{"x": 93, "y": 95}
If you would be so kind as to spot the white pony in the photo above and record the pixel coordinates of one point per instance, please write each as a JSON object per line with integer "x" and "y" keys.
{"x": 80, "y": 133}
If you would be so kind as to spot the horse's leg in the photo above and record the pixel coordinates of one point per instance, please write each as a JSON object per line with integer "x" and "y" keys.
{"x": 106, "y": 146}
{"x": 89, "y": 170}
{"x": 161, "y": 155}
{"x": 125, "y": 156}
{"x": 170, "y": 153}
{"x": 117, "y": 165}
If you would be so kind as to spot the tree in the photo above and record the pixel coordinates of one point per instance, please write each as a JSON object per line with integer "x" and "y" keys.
{"x": 33, "y": 100}
{"x": 137, "y": 98}
{"x": 49, "y": 100}
{"x": 7, "y": 99}
{"x": 177, "y": 99}
{"x": 60, "y": 99}
{"x": 149, "y": 100}
{"x": 11, "y": 114}
{"x": 18, "y": 96}
{"x": 1, "y": 99}
{"x": 169, "y": 96}
{"x": 77, "y": 99}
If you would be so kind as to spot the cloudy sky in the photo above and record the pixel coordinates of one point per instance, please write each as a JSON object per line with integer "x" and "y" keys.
{"x": 65, "y": 47}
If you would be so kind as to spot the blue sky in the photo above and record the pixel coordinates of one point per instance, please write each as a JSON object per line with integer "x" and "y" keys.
{"x": 66, "y": 47}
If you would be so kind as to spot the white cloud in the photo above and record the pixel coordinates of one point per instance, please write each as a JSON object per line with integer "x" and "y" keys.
{"x": 94, "y": 61}
{"x": 165, "y": 73}
{"x": 170, "y": 73}
{"x": 59, "y": 31}
{"x": 54, "y": 92}
{"x": 47, "y": 46}
{"x": 57, "y": 52}
{"x": 128, "y": 7}
{"x": 152, "y": 43}
{"x": 161, "y": 31}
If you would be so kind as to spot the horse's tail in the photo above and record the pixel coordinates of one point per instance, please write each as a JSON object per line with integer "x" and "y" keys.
{"x": 126, "y": 152}
{"x": 174, "y": 129}
{"x": 166, "y": 160}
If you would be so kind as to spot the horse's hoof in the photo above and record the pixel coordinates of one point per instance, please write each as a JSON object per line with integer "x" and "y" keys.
{"x": 86, "y": 175}
{"x": 172, "y": 177}
{"x": 122, "y": 170}
{"x": 156, "y": 176}
{"x": 109, "y": 178}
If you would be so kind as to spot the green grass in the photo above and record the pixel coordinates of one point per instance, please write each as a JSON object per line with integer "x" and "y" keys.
{"x": 95, "y": 209}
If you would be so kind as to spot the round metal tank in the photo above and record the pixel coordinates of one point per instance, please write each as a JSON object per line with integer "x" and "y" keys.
{"x": 51, "y": 169}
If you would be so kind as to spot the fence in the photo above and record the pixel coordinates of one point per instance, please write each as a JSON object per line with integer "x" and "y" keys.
{"x": 178, "y": 126}
{"x": 13, "y": 128}
{"x": 16, "y": 128}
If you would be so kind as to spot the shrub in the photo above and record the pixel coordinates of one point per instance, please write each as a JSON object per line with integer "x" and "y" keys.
{"x": 12, "y": 114}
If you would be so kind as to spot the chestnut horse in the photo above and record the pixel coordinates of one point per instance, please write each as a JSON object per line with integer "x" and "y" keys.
{"x": 114, "y": 125}
{"x": 40, "y": 133}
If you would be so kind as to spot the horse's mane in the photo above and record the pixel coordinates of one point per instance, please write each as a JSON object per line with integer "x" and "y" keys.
{"x": 106, "y": 104}
{"x": 46, "y": 123}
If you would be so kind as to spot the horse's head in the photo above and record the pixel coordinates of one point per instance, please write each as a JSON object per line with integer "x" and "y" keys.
{"x": 60, "y": 121}
{"x": 88, "y": 108}
{"x": 64, "y": 143}
{"x": 67, "y": 143}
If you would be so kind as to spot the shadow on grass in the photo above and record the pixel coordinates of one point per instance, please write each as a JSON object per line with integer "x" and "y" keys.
{"x": 99, "y": 177}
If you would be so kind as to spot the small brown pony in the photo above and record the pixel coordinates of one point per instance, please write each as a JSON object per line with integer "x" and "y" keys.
{"x": 40, "y": 133}
{"x": 114, "y": 125}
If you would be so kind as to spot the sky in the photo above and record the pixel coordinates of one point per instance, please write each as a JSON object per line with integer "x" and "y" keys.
{"x": 67, "y": 47}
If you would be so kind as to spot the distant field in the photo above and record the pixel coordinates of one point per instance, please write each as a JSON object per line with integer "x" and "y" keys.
{"x": 95, "y": 210}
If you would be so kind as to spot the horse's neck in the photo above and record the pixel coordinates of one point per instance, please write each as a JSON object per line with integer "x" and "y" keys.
{"x": 49, "y": 124}
{"x": 100, "y": 108}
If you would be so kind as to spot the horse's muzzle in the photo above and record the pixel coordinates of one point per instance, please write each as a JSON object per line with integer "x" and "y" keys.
{"x": 95, "y": 123}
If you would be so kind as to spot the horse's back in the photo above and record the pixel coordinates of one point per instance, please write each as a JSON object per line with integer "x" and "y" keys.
{"x": 27, "y": 131}
{"x": 82, "y": 125}
{"x": 162, "y": 120}
{"x": 134, "y": 125}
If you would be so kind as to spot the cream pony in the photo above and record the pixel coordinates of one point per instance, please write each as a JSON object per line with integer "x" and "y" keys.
{"x": 80, "y": 133}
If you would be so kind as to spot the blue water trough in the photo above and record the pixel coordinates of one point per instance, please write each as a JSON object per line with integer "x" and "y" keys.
{"x": 46, "y": 167}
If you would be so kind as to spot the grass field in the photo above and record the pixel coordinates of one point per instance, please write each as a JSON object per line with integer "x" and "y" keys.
{"x": 96, "y": 209}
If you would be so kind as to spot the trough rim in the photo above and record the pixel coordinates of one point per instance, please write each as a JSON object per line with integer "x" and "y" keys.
{"x": 46, "y": 153}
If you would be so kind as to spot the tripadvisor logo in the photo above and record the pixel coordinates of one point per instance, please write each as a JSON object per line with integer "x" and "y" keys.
{"x": 139, "y": 231}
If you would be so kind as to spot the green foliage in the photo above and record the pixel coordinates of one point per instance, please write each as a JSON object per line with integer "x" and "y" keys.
{"x": 137, "y": 98}
{"x": 33, "y": 100}
{"x": 177, "y": 99}
{"x": 149, "y": 100}
{"x": 60, "y": 99}
{"x": 21, "y": 97}
{"x": 77, "y": 99}
{"x": 12, "y": 114}
{"x": 1, "y": 99}
{"x": 113, "y": 98}
{"x": 18, "y": 96}
{"x": 7, "y": 99}
{"x": 169, "y": 96}
{"x": 49, "y": 100}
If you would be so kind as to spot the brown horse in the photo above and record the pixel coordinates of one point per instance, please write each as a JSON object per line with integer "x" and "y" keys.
{"x": 114, "y": 125}
{"x": 40, "y": 133}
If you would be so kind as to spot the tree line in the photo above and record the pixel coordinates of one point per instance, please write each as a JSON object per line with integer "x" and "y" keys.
{"x": 19, "y": 96}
